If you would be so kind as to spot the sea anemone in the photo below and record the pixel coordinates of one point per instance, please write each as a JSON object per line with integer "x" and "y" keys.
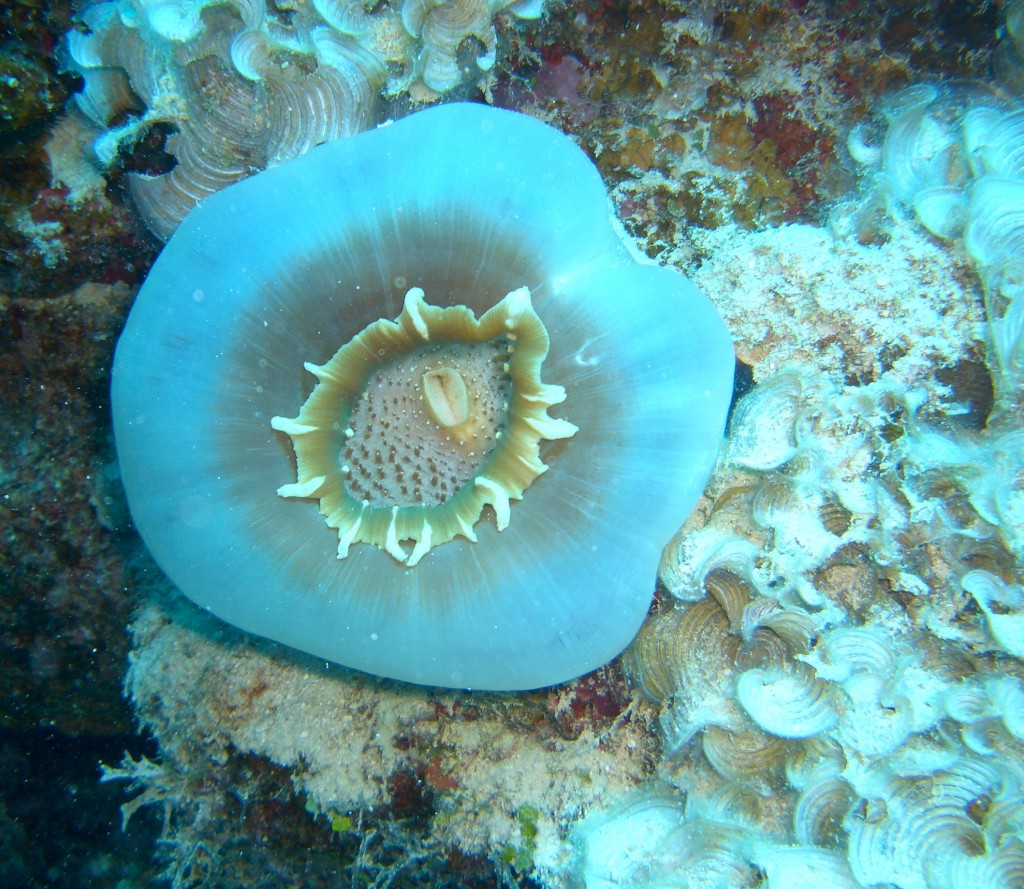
{"x": 487, "y": 235}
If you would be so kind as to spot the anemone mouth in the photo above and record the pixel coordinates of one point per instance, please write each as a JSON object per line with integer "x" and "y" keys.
{"x": 417, "y": 424}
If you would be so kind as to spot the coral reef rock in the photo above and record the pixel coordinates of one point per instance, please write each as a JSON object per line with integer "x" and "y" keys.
{"x": 838, "y": 665}
{"x": 487, "y": 776}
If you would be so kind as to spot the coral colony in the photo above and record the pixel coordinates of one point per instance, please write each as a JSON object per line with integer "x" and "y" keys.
{"x": 248, "y": 85}
{"x": 839, "y": 685}
{"x": 416, "y": 404}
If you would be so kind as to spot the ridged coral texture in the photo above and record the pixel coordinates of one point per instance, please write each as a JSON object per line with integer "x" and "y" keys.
{"x": 952, "y": 155}
{"x": 838, "y": 665}
{"x": 243, "y": 85}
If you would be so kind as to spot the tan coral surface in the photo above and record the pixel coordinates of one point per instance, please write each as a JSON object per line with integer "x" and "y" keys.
{"x": 344, "y": 736}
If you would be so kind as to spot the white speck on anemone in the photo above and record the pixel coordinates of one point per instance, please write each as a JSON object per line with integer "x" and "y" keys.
{"x": 271, "y": 277}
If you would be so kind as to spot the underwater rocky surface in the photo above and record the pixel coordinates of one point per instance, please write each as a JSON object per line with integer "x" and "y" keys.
{"x": 830, "y": 680}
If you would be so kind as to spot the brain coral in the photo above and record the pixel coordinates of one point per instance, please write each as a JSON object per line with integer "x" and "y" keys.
{"x": 244, "y": 85}
{"x": 438, "y": 526}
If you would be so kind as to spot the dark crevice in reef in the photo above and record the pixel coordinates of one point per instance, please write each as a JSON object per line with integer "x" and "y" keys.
{"x": 59, "y": 826}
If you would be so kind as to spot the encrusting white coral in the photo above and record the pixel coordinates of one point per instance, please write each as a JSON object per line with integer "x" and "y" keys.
{"x": 950, "y": 155}
{"x": 243, "y": 86}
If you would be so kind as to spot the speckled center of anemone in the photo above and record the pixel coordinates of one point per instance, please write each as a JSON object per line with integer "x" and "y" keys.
{"x": 427, "y": 423}
{"x": 418, "y": 424}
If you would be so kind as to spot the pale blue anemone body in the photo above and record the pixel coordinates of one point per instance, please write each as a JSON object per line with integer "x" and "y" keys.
{"x": 469, "y": 204}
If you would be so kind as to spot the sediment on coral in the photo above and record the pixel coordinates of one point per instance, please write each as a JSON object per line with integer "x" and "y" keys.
{"x": 949, "y": 156}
